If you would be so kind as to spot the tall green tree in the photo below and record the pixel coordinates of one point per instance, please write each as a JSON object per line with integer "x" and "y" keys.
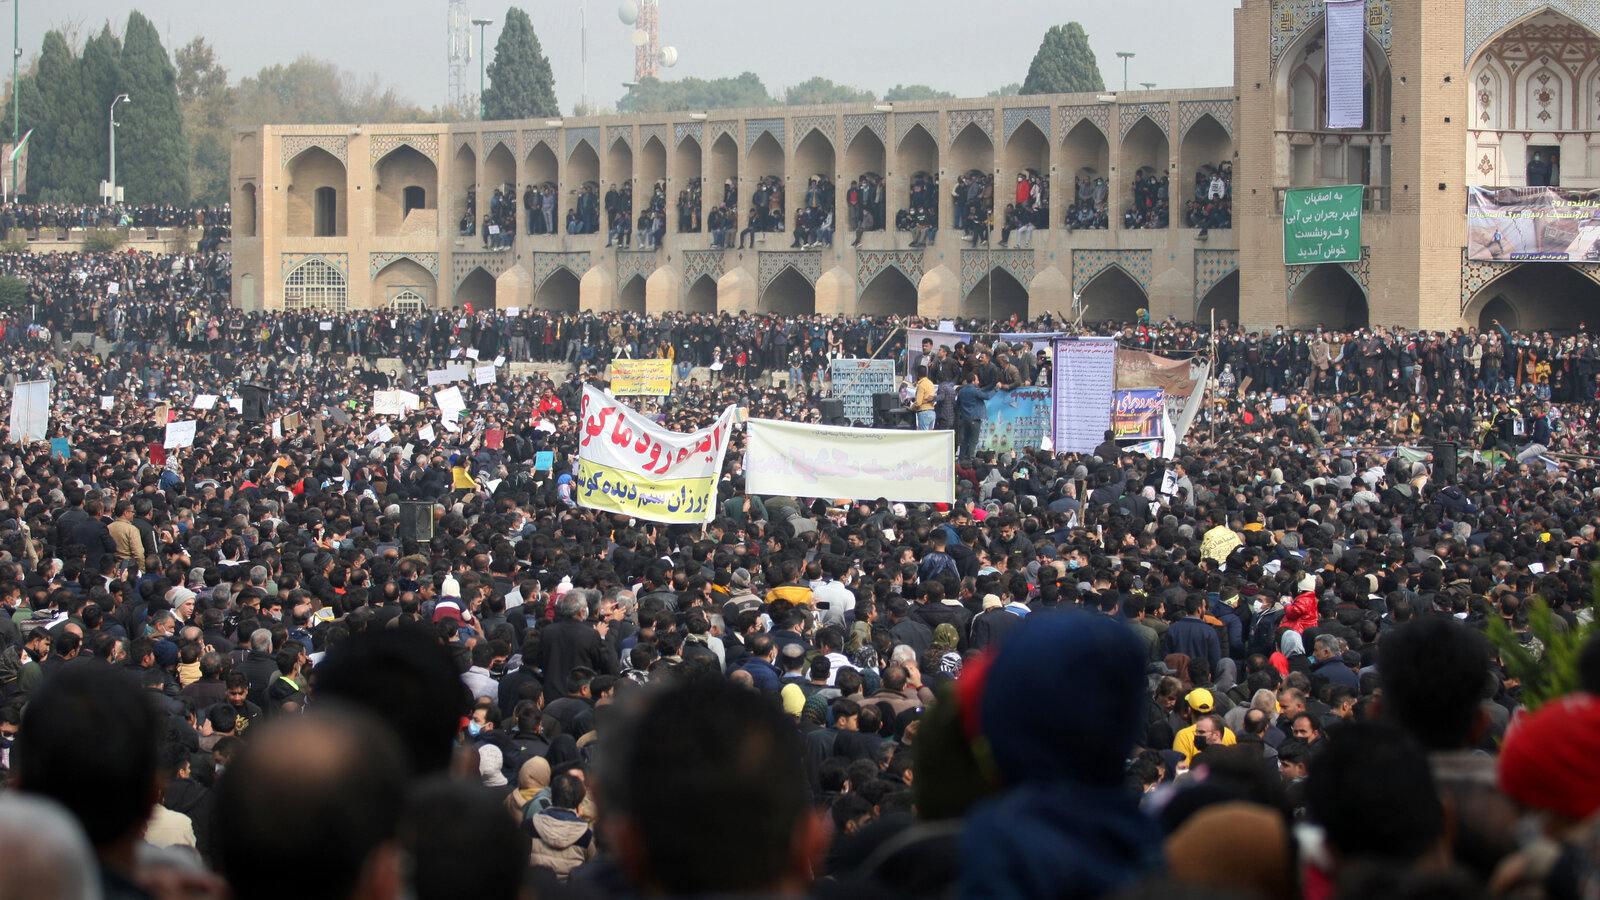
{"x": 912, "y": 92}
{"x": 818, "y": 90}
{"x": 315, "y": 91}
{"x": 102, "y": 78}
{"x": 1064, "y": 64}
{"x": 207, "y": 103}
{"x": 59, "y": 169}
{"x": 33, "y": 111}
{"x": 655, "y": 95}
{"x": 152, "y": 148}
{"x": 521, "y": 85}
{"x": 1006, "y": 90}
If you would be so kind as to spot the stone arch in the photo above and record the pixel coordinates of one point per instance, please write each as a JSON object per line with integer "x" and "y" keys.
{"x": 864, "y": 154}
{"x": 688, "y": 164}
{"x": 1027, "y": 150}
{"x": 540, "y": 166}
{"x": 315, "y": 285}
{"x": 559, "y": 292}
{"x": 244, "y": 211}
{"x": 317, "y": 195}
{"x": 765, "y": 158}
{"x": 891, "y": 293}
{"x": 996, "y": 297}
{"x": 1330, "y": 296}
{"x": 1144, "y": 151}
{"x": 463, "y": 185}
{"x": 1223, "y": 299}
{"x": 972, "y": 149}
{"x": 619, "y": 164}
{"x": 1306, "y": 55}
{"x": 723, "y": 168}
{"x": 702, "y": 296}
{"x": 499, "y": 170}
{"x": 630, "y": 297}
{"x": 789, "y": 294}
{"x": 1112, "y": 295}
{"x": 404, "y": 274}
{"x": 939, "y": 294}
{"x": 736, "y": 292}
{"x": 514, "y": 288}
{"x": 652, "y": 165}
{"x": 814, "y": 158}
{"x": 1206, "y": 151}
{"x": 1535, "y": 297}
{"x": 393, "y": 202}
{"x": 477, "y": 289}
{"x": 916, "y": 162}
{"x": 583, "y": 166}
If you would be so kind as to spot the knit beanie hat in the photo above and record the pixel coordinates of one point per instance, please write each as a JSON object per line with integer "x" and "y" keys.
{"x": 794, "y": 700}
{"x": 1548, "y": 757}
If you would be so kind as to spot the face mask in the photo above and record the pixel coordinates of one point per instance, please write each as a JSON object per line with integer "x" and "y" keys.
{"x": 1073, "y": 564}
{"x": 276, "y": 615}
{"x": 473, "y": 728}
{"x": 1258, "y": 607}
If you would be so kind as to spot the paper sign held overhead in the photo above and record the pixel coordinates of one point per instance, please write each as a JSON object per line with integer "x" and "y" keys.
{"x": 179, "y": 435}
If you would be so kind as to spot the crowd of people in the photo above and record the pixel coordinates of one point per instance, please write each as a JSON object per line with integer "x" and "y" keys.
{"x": 1256, "y": 668}
{"x": 972, "y": 200}
{"x": 1150, "y": 202}
{"x": 500, "y": 221}
{"x": 766, "y": 211}
{"x": 689, "y": 200}
{"x": 39, "y": 216}
{"x": 541, "y": 205}
{"x": 865, "y": 202}
{"x": 1090, "y": 201}
{"x": 1212, "y": 203}
{"x": 921, "y": 216}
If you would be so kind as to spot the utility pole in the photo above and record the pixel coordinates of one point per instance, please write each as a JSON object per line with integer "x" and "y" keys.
{"x": 111, "y": 176}
{"x": 1125, "y": 55}
{"x": 483, "y": 51}
{"x": 16, "y": 93}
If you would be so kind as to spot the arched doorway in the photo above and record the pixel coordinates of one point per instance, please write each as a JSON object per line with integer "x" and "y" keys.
{"x": 891, "y": 293}
{"x": 1113, "y": 296}
{"x": 1144, "y": 156}
{"x": 464, "y": 191}
{"x": 996, "y": 297}
{"x": 1027, "y": 153}
{"x": 687, "y": 164}
{"x": 1207, "y": 155}
{"x": 316, "y": 195}
{"x": 541, "y": 174}
{"x": 406, "y": 180}
{"x": 619, "y": 165}
{"x": 814, "y": 167}
{"x": 1329, "y": 296}
{"x": 702, "y": 296}
{"x": 583, "y": 166}
{"x": 652, "y": 165}
{"x": 1536, "y": 297}
{"x": 1222, "y": 299}
{"x": 917, "y": 160}
{"x": 558, "y": 293}
{"x": 400, "y": 277}
{"x": 244, "y": 211}
{"x": 631, "y": 297}
{"x": 499, "y": 172}
{"x": 723, "y": 171}
{"x": 315, "y": 286}
{"x": 477, "y": 289}
{"x": 1532, "y": 96}
{"x": 789, "y": 294}
{"x": 1087, "y": 155}
{"x": 765, "y": 158}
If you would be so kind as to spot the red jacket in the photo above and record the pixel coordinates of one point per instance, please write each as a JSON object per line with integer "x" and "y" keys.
{"x": 1301, "y": 613}
{"x": 1024, "y": 191}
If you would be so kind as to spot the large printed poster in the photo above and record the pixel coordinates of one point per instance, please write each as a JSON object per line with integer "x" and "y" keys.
{"x": 856, "y": 380}
{"x": 641, "y": 377}
{"x": 629, "y": 464}
{"x": 1085, "y": 375}
{"x": 1533, "y": 224}
{"x": 793, "y": 459}
{"x": 1015, "y": 420}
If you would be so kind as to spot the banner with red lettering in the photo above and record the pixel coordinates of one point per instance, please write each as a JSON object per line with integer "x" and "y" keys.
{"x": 629, "y": 464}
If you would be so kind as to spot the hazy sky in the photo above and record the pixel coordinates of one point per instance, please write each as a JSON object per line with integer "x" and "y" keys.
{"x": 965, "y": 47}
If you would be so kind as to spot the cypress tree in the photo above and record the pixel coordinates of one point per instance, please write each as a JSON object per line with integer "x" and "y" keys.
{"x": 102, "y": 79}
{"x": 1064, "y": 64}
{"x": 61, "y": 150}
{"x": 521, "y": 84}
{"x": 152, "y": 149}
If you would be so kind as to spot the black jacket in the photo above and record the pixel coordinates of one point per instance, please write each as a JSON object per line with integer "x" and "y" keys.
{"x": 563, "y": 646}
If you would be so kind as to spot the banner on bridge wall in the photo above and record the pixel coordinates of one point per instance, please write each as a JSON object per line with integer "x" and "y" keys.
{"x": 793, "y": 459}
{"x": 856, "y": 380}
{"x": 641, "y": 377}
{"x": 1016, "y": 419}
{"x": 1322, "y": 225}
{"x": 1533, "y": 224}
{"x": 629, "y": 464}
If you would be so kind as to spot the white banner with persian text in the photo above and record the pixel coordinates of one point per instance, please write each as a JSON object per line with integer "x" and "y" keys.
{"x": 793, "y": 459}
{"x": 1347, "y": 34}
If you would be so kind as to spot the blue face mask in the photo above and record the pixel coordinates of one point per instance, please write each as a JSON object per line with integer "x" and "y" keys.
{"x": 473, "y": 728}
{"x": 1073, "y": 564}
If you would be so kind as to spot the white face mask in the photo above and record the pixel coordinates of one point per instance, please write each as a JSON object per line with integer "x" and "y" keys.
{"x": 1258, "y": 607}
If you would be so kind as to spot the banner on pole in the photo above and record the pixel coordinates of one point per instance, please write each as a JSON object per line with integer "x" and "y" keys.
{"x": 641, "y": 377}
{"x": 1084, "y": 377}
{"x": 1137, "y": 414}
{"x": 800, "y": 460}
{"x": 629, "y": 464}
{"x": 856, "y": 380}
{"x": 1015, "y": 420}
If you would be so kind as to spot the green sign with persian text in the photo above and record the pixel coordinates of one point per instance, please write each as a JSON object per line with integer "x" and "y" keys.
{"x": 1322, "y": 225}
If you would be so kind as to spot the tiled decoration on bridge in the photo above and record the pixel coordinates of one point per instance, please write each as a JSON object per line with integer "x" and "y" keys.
{"x": 590, "y": 134}
{"x": 464, "y": 139}
{"x": 702, "y": 262}
{"x": 754, "y": 127}
{"x": 659, "y": 132}
{"x": 958, "y": 120}
{"x": 877, "y": 123}
{"x": 977, "y": 263}
{"x": 1158, "y": 113}
{"x": 808, "y": 263}
{"x": 1012, "y": 118}
{"x": 718, "y": 129}
{"x": 1098, "y": 114}
{"x": 492, "y": 261}
{"x": 1210, "y": 267}
{"x": 1190, "y": 111}
{"x": 533, "y": 137}
{"x": 871, "y": 263}
{"x": 619, "y": 133}
{"x": 1361, "y": 271}
{"x": 826, "y": 125}
{"x": 694, "y": 130}
{"x": 292, "y": 145}
{"x": 1476, "y": 275}
{"x": 1486, "y": 18}
{"x": 546, "y": 263}
{"x": 1292, "y": 18}
{"x": 634, "y": 262}
{"x": 1087, "y": 264}
{"x": 904, "y": 122}
{"x": 382, "y": 145}
{"x": 288, "y": 262}
{"x": 509, "y": 138}
{"x": 377, "y": 262}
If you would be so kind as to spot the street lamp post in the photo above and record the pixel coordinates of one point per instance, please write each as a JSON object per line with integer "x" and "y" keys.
{"x": 111, "y": 176}
{"x": 1148, "y": 85}
{"x": 483, "y": 53}
{"x": 1126, "y": 55}
{"x": 16, "y": 95}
